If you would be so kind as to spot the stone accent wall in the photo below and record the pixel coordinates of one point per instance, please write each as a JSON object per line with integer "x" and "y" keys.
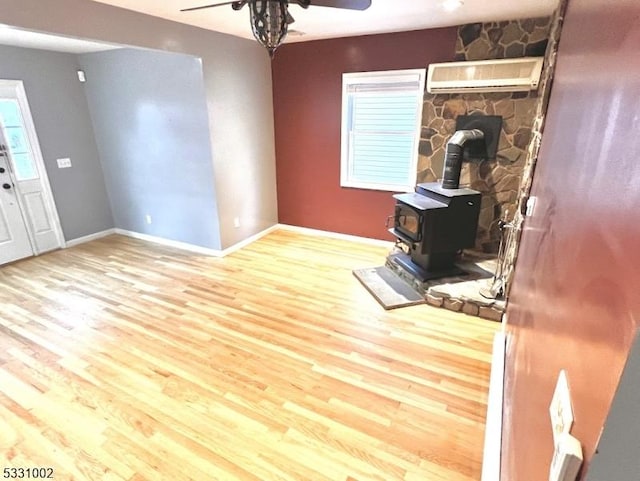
{"x": 499, "y": 180}
{"x": 517, "y": 38}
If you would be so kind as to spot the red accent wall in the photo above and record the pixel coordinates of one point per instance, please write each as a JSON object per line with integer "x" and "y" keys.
{"x": 307, "y": 95}
{"x": 575, "y": 302}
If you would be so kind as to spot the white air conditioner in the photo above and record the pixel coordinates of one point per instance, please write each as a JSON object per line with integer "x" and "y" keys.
{"x": 505, "y": 75}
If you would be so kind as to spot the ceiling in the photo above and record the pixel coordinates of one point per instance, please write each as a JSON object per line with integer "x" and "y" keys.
{"x": 312, "y": 24}
{"x": 323, "y": 22}
{"x": 42, "y": 41}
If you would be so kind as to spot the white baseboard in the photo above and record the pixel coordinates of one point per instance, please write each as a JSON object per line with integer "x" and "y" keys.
{"x": 335, "y": 235}
{"x": 493, "y": 428}
{"x": 89, "y": 238}
{"x": 229, "y": 250}
{"x": 249, "y": 240}
{"x": 194, "y": 248}
{"x": 171, "y": 243}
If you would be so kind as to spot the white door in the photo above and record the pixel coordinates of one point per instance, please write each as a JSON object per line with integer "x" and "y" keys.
{"x": 14, "y": 238}
{"x": 30, "y": 189}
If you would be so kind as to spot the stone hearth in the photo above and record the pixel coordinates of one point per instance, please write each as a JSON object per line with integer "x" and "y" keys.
{"x": 459, "y": 293}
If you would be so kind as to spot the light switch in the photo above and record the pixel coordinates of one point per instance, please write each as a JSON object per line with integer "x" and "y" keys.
{"x": 531, "y": 205}
{"x": 64, "y": 163}
{"x": 560, "y": 409}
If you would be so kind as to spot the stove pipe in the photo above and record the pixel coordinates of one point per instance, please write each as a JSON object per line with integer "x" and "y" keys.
{"x": 453, "y": 156}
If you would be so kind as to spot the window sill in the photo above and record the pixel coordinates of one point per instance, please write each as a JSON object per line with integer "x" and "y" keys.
{"x": 378, "y": 187}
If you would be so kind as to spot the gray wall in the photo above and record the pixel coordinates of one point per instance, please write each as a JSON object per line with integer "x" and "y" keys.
{"x": 150, "y": 117}
{"x": 618, "y": 454}
{"x": 61, "y": 117}
{"x": 237, "y": 76}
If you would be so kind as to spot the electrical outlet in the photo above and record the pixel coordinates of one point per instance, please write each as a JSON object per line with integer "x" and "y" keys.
{"x": 64, "y": 163}
{"x": 236, "y": 222}
{"x": 560, "y": 409}
{"x": 147, "y": 219}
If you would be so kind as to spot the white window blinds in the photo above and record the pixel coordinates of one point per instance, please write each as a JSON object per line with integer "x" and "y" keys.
{"x": 381, "y": 129}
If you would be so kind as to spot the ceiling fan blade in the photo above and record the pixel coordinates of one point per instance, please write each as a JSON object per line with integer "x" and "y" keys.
{"x": 213, "y": 5}
{"x": 348, "y": 4}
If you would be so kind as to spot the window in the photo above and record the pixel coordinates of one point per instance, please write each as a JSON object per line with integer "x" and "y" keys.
{"x": 16, "y": 136}
{"x": 381, "y": 115}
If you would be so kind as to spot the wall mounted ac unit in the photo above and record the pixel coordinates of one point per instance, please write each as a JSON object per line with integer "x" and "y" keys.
{"x": 505, "y": 75}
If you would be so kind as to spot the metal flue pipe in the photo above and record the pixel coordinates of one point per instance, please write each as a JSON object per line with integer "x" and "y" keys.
{"x": 453, "y": 156}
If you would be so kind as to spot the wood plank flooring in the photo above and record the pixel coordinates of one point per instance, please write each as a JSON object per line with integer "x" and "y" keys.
{"x": 123, "y": 360}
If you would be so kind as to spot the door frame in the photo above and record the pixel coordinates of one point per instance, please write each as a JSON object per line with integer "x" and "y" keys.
{"x": 15, "y": 232}
{"x": 52, "y": 212}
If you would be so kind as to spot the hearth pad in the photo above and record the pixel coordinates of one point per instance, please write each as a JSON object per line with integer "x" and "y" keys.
{"x": 390, "y": 290}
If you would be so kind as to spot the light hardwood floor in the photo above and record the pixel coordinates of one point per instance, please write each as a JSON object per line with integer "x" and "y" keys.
{"x": 123, "y": 360}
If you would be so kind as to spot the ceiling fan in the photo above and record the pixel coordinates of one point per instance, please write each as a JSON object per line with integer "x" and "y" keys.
{"x": 270, "y": 19}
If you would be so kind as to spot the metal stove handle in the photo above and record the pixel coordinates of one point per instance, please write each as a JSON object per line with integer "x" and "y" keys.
{"x": 386, "y": 222}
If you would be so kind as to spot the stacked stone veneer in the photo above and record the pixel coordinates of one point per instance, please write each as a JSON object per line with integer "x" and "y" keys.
{"x": 498, "y": 180}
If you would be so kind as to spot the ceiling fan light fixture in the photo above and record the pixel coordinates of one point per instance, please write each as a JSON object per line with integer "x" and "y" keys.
{"x": 269, "y": 22}
{"x": 270, "y": 19}
{"x": 452, "y": 5}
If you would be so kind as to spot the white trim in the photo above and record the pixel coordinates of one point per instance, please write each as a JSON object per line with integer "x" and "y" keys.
{"x": 194, "y": 248}
{"x": 493, "y": 427}
{"x": 229, "y": 250}
{"x": 170, "y": 243}
{"x": 249, "y": 240}
{"x": 385, "y": 187}
{"x": 91, "y": 237}
{"x": 390, "y": 76}
{"x": 336, "y": 235}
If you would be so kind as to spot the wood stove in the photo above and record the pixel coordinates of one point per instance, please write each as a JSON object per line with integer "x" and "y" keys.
{"x": 435, "y": 223}
{"x": 439, "y": 219}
